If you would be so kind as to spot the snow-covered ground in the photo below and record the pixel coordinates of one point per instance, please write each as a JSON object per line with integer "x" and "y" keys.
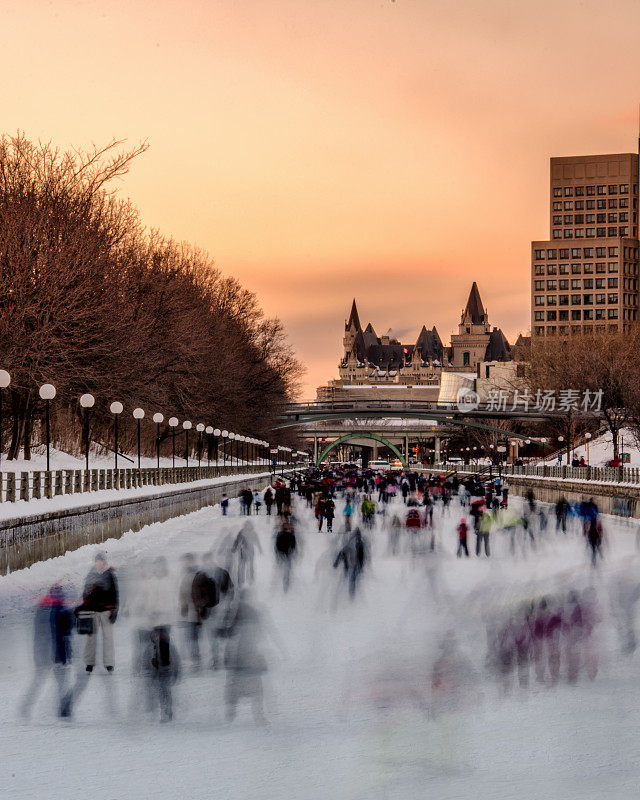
{"x": 351, "y": 707}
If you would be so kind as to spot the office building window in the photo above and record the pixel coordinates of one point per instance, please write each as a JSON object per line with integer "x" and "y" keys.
{"x": 591, "y": 190}
{"x": 576, "y": 252}
{"x": 563, "y": 284}
{"x": 539, "y": 330}
{"x": 612, "y": 313}
{"x": 563, "y": 269}
{"x": 576, "y": 269}
{"x": 579, "y": 191}
{"x": 539, "y": 316}
{"x": 600, "y": 313}
{"x": 557, "y": 206}
{"x": 557, "y": 192}
{"x": 568, "y": 219}
{"x": 465, "y": 359}
{"x": 538, "y": 254}
{"x": 538, "y": 300}
{"x": 575, "y": 283}
{"x": 568, "y": 191}
{"x": 563, "y": 299}
{"x": 613, "y": 251}
{"x": 579, "y": 205}
{"x": 552, "y": 285}
{"x": 613, "y": 188}
{"x": 624, "y": 188}
{"x": 612, "y": 232}
{"x": 587, "y": 299}
{"x": 552, "y": 269}
{"x": 613, "y": 266}
{"x": 557, "y": 234}
{"x": 612, "y": 283}
{"x": 591, "y": 204}
{"x": 588, "y": 268}
{"x": 600, "y": 298}
{"x": 551, "y": 299}
{"x": 600, "y": 218}
{"x": 600, "y": 283}
{"x": 588, "y": 283}
{"x": 612, "y": 298}
{"x": 551, "y": 330}
{"x": 602, "y": 189}
{"x": 563, "y": 329}
{"x": 579, "y": 233}
{"x": 575, "y": 299}
{"x": 557, "y": 220}
{"x": 551, "y": 316}
{"x": 551, "y": 253}
{"x": 563, "y": 314}
{"x": 612, "y": 217}
{"x": 538, "y": 286}
{"x": 612, "y": 204}
{"x": 587, "y": 313}
{"x": 576, "y": 314}
{"x": 601, "y": 232}
{"x": 600, "y": 266}
{"x": 539, "y": 269}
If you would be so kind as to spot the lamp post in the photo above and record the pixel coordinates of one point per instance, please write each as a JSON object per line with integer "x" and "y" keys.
{"x": 158, "y": 418}
{"x": 87, "y": 401}
{"x": 47, "y": 392}
{"x": 138, "y": 415}
{"x": 216, "y": 435}
{"x": 225, "y": 435}
{"x": 5, "y": 380}
{"x": 232, "y": 436}
{"x": 173, "y": 421}
{"x": 187, "y": 427}
{"x": 587, "y": 436}
{"x": 560, "y": 439}
{"x": 116, "y": 409}
{"x": 200, "y": 429}
{"x": 209, "y": 430}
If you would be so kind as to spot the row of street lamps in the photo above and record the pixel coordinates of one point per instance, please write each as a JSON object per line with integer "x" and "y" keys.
{"x": 246, "y": 446}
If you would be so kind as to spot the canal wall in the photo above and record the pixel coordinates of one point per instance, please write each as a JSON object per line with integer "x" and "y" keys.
{"x": 26, "y": 539}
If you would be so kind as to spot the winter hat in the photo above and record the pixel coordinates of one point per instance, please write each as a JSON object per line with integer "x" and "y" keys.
{"x": 101, "y": 557}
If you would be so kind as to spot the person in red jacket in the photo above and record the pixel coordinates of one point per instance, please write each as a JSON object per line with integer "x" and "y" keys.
{"x": 463, "y": 530}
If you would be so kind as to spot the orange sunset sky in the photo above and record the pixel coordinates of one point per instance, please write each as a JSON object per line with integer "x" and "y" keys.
{"x": 326, "y": 149}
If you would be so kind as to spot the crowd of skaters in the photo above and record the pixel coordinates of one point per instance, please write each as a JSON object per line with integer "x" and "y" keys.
{"x": 208, "y": 618}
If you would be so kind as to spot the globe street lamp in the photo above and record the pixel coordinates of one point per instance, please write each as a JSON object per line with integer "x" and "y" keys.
{"x": 5, "y": 380}
{"x": 138, "y": 414}
{"x": 158, "y": 418}
{"x": 47, "y": 392}
{"x": 87, "y": 401}
{"x": 186, "y": 425}
{"x": 587, "y": 436}
{"x": 173, "y": 421}
{"x": 224, "y": 435}
{"x": 209, "y": 430}
{"x": 116, "y": 408}
{"x": 232, "y": 436}
{"x": 200, "y": 429}
{"x": 216, "y": 434}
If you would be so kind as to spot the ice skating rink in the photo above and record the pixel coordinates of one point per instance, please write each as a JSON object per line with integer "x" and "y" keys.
{"x": 354, "y": 707}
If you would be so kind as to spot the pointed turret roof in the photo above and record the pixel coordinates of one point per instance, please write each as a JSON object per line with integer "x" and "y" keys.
{"x": 475, "y": 311}
{"x": 370, "y": 336}
{"x": 354, "y": 319}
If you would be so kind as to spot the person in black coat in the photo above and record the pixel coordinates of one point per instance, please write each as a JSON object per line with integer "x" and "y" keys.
{"x": 100, "y": 596}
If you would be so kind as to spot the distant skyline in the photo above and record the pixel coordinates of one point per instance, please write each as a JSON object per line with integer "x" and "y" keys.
{"x": 391, "y": 151}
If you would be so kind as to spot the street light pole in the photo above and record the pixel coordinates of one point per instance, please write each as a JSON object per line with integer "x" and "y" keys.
{"x": 186, "y": 426}
{"x": 200, "y": 429}
{"x": 116, "y": 409}
{"x": 158, "y": 418}
{"x": 87, "y": 401}
{"x": 47, "y": 393}
{"x": 216, "y": 438}
{"x": 209, "y": 430}
{"x": 173, "y": 421}
{"x": 5, "y": 380}
{"x": 224, "y": 435}
{"x": 138, "y": 414}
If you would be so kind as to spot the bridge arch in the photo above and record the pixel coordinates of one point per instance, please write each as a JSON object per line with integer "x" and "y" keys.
{"x": 360, "y": 435}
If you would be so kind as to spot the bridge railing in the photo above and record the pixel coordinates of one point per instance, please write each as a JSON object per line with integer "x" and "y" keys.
{"x": 629, "y": 475}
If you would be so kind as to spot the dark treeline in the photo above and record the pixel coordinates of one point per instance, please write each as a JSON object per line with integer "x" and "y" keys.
{"x": 91, "y": 301}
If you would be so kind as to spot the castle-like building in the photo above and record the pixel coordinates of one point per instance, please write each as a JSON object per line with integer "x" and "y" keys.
{"x": 387, "y": 364}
